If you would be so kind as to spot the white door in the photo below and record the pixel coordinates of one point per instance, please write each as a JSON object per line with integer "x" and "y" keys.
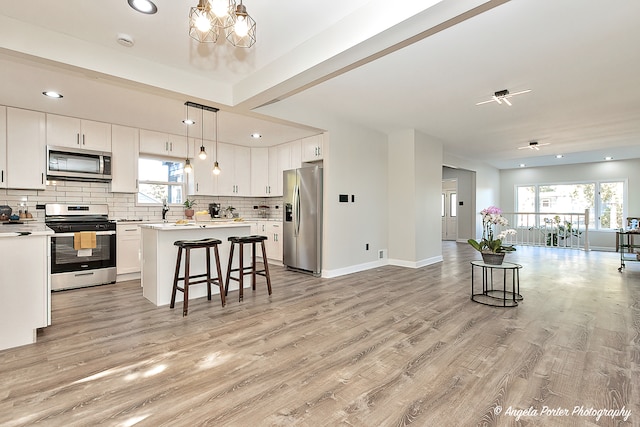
{"x": 449, "y": 210}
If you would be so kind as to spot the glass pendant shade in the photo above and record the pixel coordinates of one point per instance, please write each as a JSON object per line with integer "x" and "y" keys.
{"x": 203, "y": 153}
{"x": 243, "y": 31}
{"x": 187, "y": 166}
{"x": 216, "y": 168}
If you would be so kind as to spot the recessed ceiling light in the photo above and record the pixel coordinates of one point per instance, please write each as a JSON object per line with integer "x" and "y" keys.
{"x": 256, "y": 135}
{"x": 189, "y": 122}
{"x": 608, "y": 158}
{"x": 52, "y": 94}
{"x": 143, "y": 6}
{"x": 522, "y": 165}
{"x": 559, "y": 156}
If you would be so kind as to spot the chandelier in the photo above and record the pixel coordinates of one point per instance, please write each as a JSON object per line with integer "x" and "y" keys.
{"x": 212, "y": 18}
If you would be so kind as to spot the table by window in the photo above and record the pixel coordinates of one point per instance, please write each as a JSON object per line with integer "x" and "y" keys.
{"x": 508, "y": 273}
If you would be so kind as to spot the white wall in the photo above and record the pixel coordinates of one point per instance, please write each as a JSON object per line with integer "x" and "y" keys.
{"x": 622, "y": 170}
{"x": 487, "y": 187}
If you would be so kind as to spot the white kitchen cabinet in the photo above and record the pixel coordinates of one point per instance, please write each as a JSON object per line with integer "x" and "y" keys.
{"x": 3, "y": 146}
{"x": 124, "y": 159}
{"x": 273, "y": 244}
{"x": 296, "y": 154}
{"x": 163, "y": 144}
{"x": 63, "y": 131}
{"x": 235, "y": 166}
{"x": 201, "y": 182}
{"x": 260, "y": 164}
{"x": 26, "y": 149}
{"x": 24, "y": 289}
{"x": 312, "y": 148}
{"x": 127, "y": 248}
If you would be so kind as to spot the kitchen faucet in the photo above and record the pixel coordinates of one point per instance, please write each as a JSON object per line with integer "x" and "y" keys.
{"x": 165, "y": 209}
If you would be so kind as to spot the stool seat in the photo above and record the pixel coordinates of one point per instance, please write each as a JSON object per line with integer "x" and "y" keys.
{"x": 202, "y": 243}
{"x": 250, "y": 269}
{"x": 187, "y": 245}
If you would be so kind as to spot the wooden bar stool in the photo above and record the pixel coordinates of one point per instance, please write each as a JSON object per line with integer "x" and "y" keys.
{"x": 187, "y": 245}
{"x": 250, "y": 269}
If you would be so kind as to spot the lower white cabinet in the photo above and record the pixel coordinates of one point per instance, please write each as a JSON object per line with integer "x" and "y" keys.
{"x": 127, "y": 248}
{"x": 273, "y": 231}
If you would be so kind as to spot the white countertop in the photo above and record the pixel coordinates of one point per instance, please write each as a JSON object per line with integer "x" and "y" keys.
{"x": 28, "y": 228}
{"x": 172, "y": 226}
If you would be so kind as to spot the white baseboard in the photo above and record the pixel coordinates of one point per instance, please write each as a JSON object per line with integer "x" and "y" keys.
{"x": 416, "y": 264}
{"x": 328, "y": 274}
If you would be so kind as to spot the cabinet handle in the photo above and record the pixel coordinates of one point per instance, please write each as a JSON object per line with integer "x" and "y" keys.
{"x": 171, "y": 146}
{"x": 2, "y": 177}
{"x": 197, "y": 187}
{"x": 78, "y": 138}
{"x": 83, "y": 139}
{"x": 130, "y": 229}
{"x": 166, "y": 146}
{"x": 42, "y": 178}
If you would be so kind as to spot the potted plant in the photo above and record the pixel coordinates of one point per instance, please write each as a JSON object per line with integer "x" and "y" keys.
{"x": 188, "y": 208}
{"x": 229, "y": 210}
{"x": 491, "y": 247}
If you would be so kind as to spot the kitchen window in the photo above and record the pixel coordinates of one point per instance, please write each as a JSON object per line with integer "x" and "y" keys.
{"x": 159, "y": 180}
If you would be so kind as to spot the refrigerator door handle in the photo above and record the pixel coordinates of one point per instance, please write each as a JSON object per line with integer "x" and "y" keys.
{"x": 296, "y": 210}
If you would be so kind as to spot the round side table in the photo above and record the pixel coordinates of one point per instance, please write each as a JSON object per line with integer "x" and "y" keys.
{"x": 494, "y": 296}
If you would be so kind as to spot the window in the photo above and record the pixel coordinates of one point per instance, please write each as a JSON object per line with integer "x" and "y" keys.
{"x": 453, "y": 208}
{"x": 605, "y": 198}
{"x": 611, "y": 197}
{"x": 442, "y": 205}
{"x": 160, "y": 179}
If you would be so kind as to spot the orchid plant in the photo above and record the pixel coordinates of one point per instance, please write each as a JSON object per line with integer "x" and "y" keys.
{"x": 491, "y": 217}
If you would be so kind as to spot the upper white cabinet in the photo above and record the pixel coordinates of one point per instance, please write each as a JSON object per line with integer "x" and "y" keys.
{"x": 163, "y": 144}
{"x": 124, "y": 159}
{"x": 3, "y": 147}
{"x": 279, "y": 161}
{"x": 296, "y": 154}
{"x": 312, "y": 148}
{"x": 201, "y": 182}
{"x": 260, "y": 163}
{"x": 235, "y": 166}
{"x": 26, "y": 149}
{"x": 65, "y": 131}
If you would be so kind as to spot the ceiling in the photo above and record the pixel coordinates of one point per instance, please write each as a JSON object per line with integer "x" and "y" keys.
{"x": 421, "y": 65}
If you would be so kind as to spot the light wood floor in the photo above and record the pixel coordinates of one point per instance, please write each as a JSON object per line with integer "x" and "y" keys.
{"x": 387, "y": 347}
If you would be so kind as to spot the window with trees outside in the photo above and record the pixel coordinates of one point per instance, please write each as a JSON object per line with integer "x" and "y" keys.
{"x": 160, "y": 180}
{"x": 604, "y": 200}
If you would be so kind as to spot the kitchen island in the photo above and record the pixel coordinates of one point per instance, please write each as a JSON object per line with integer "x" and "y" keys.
{"x": 159, "y": 256}
{"x": 24, "y": 282}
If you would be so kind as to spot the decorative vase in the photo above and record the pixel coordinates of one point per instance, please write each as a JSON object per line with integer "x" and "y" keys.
{"x": 189, "y": 213}
{"x": 493, "y": 259}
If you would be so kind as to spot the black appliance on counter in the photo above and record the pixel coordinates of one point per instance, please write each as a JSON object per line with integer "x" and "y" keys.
{"x": 76, "y": 268}
{"x": 214, "y": 210}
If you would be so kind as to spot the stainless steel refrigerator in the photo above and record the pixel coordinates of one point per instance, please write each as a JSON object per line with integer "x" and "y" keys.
{"x": 302, "y": 220}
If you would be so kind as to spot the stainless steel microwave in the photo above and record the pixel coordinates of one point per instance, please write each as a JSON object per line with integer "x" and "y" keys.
{"x": 78, "y": 165}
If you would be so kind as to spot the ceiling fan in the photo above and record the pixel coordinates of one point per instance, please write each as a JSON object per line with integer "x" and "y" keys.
{"x": 503, "y": 96}
{"x": 533, "y": 145}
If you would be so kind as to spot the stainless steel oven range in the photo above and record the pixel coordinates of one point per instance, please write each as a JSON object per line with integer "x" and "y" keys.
{"x": 75, "y": 265}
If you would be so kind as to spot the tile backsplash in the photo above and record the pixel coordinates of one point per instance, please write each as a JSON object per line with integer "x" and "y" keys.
{"x": 123, "y": 205}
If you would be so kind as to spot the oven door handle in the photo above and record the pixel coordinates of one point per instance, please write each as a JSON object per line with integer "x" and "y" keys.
{"x": 98, "y": 233}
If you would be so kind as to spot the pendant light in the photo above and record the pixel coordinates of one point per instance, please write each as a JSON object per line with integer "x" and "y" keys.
{"x": 203, "y": 153}
{"x": 216, "y": 167}
{"x": 243, "y": 31}
{"x": 187, "y": 163}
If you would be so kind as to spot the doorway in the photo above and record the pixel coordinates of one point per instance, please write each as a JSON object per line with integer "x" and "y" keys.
{"x": 449, "y": 209}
